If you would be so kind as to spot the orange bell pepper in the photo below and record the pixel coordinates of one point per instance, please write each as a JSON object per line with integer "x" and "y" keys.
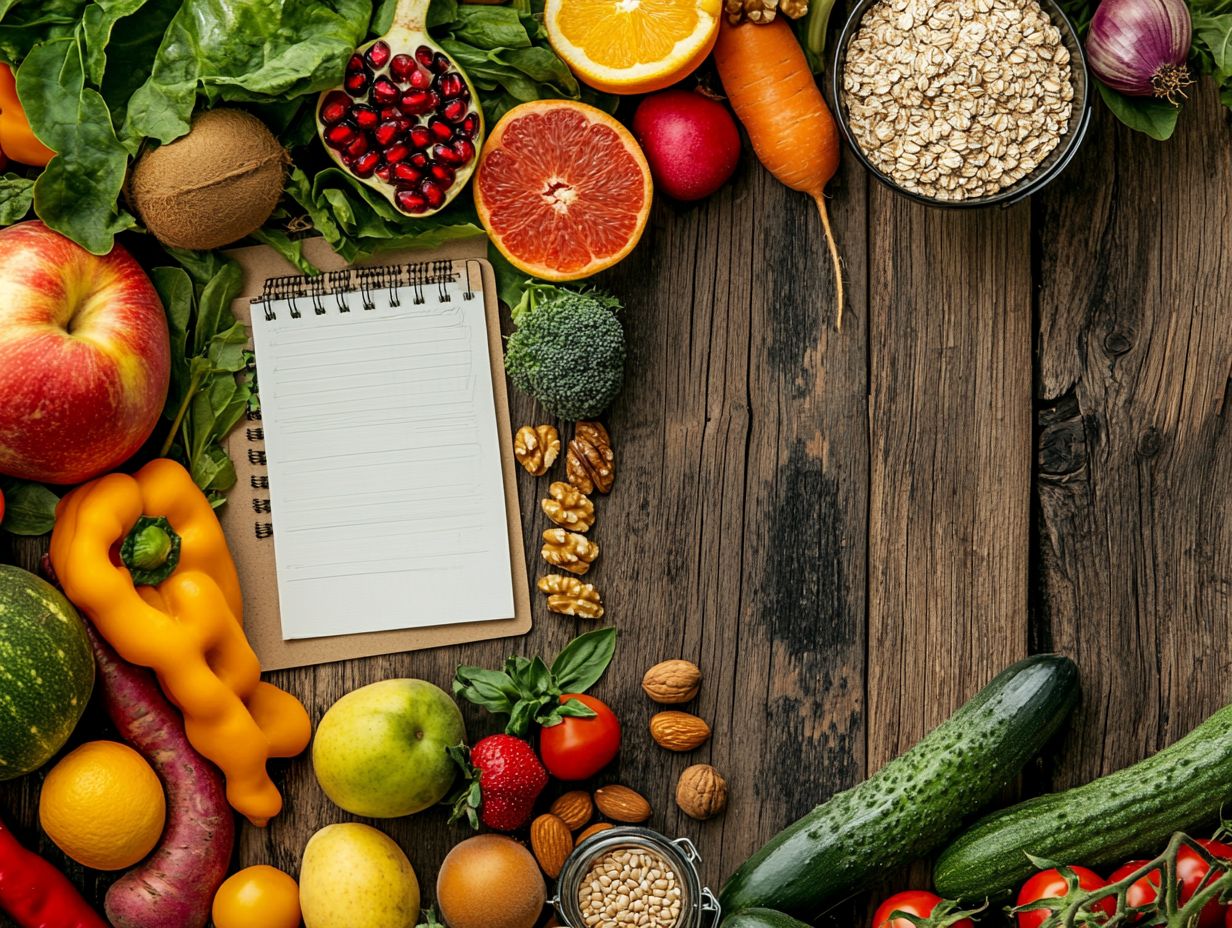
{"x": 144, "y": 557}
{"x": 17, "y": 140}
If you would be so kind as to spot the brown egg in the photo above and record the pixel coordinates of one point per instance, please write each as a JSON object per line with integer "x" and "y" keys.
{"x": 490, "y": 882}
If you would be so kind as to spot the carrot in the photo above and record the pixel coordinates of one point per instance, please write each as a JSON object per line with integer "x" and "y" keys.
{"x": 770, "y": 86}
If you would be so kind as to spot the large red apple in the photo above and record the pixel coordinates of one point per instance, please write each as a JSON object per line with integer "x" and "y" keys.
{"x": 84, "y": 357}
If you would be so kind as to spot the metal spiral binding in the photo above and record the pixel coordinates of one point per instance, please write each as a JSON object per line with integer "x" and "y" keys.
{"x": 316, "y": 290}
{"x": 442, "y": 271}
{"x": 339, "y": 285}
{"x": 256, "y": 458}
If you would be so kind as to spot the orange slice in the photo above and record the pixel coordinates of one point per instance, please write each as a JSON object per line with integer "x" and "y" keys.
{"x": 563, "y": 189}
{"x": 632, "y": 46}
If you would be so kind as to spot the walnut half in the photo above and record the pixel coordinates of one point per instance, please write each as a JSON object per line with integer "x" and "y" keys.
{"x": 570, "y": 507}
{"x": 536, "y": 448}
{"x": 570, "y": 596}
{"x": 568, "y": 550}
{"x": 590, "y": 463}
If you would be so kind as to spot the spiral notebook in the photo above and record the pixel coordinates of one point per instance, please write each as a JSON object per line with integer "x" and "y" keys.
{"x": 384, "y": 511}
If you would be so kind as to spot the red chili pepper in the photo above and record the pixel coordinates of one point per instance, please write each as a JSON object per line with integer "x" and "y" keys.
{"x": 37, "y": 895}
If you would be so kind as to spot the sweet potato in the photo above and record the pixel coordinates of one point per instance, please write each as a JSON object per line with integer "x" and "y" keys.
{"x": 174, "y": 887}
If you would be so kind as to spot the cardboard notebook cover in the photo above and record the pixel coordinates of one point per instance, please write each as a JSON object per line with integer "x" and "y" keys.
{"x": 243, "y": 513}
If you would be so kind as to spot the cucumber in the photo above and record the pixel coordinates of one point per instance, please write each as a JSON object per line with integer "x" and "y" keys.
{"x": 915, "y": 803}
{"x": 1109, "y": 819}
{"x": 761, "y": 918}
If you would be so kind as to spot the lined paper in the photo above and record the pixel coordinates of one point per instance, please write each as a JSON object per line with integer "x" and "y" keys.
{"x": 381, "y": 441}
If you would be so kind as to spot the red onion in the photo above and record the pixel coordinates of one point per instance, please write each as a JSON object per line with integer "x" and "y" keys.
{"x": 1139, "y": 47}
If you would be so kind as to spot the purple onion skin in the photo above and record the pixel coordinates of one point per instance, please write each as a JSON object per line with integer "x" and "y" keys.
{"x": 1139, "y": 47}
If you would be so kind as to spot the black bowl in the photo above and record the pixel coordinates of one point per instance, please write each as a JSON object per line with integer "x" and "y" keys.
{"x": 1051, "y": 167}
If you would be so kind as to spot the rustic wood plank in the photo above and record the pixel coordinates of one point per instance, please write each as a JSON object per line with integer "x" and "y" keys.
{"x": 1135, "y": 352}
{"x": 950, "y": 419}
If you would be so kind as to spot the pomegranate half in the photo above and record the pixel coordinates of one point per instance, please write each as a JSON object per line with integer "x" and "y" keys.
{"x": 406, "y": 120}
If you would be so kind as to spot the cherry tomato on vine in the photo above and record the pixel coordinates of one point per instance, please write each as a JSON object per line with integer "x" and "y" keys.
{"x": 1145, "y": 890}
{"x": 579, "y": 748}
{"x": 1051, "y": 884}
{"x": 915, "y": 902}
{"x": 1191, "y": 870}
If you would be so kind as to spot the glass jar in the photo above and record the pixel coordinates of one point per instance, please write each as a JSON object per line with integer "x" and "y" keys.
{"x": 698, "y": 906}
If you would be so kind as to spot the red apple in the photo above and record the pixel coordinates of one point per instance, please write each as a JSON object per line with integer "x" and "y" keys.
{"x": 84, "y": 357}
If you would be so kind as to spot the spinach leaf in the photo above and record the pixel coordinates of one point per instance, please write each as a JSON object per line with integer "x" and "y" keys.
{"x": 25, "y": 23}
{"x": 1213, "y": 35}
{"x": 244, "y": 50}
{"x": 1156, "y": 118}
{"x": 78, "y": 192}
{"x": 29, "y": 508}
{"x": 16, "y": 196}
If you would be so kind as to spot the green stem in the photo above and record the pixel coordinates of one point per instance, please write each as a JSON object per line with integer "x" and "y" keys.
{"x": 412, "y": 16}
{"x": 194, "y": 386}
{"x": 151, "y": 550}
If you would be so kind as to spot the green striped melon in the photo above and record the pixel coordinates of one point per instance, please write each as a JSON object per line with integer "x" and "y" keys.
{"x": 46, "y": 671}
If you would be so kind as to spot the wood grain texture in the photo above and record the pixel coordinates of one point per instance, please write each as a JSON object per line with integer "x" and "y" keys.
{"x": 950, "y": 356}
{"x": 1135, "y": 461}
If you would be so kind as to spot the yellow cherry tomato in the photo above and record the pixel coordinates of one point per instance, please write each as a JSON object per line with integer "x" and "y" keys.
{"x": 257, "y": 897}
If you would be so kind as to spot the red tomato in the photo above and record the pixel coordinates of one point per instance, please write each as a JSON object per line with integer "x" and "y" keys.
{"x": 1050, "y": 884}
{"x": 1, "y": 493}
{"x": 915, "y": 902}
{"x": 1191, "y": 870}
{"x": 1145, "y": 890}
{"x": 579, "y": 748}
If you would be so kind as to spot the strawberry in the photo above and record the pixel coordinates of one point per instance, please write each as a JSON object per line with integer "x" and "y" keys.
{"x": 502, "y": 779}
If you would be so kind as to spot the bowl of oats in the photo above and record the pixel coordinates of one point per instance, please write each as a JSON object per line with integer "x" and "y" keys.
{"x": 962, "y": 103}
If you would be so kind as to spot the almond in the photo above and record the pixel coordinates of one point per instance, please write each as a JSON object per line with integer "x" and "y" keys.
{"x": 574, "y": 808}
{"x": 679, "y": 731}
{"x": 592, "y": 830}
{"x": 672, "y": 682}
{"x": 621, "y": 804}
{"x": 552, "y": 843}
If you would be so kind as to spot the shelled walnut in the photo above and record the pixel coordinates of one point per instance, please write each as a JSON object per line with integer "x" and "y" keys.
{"x": 569, "y": 550}
{"x": 536, "y": 448}
{"x": 570, "y": 596}
{"x": 569, "y": 507}
{"x": 590, "y": 463}
{"x": 761, "y": 12}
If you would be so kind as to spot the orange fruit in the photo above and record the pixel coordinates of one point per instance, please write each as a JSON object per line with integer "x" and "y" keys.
{"x": 257, "y": 897}
{"x": 563, "y": 190}
{"x": 632, "y": 46}
{"x": 103, "y": 806}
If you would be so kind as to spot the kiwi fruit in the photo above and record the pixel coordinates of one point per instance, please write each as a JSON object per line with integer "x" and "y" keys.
{"x": 211, "y": 187}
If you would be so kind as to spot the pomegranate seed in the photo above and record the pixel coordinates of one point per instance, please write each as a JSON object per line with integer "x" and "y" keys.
{"x": 341, "y": 135}
{"x": 464, "y": 150}
{"x": 355, "y": 65}
{"x": 421, "y": 137}
{"x": 441, "y": 130}
{"x": 410, "y": 201}
{"x": 385, "y": 91}
{"x": 443, "y": 174}
{"x": 443, "y": 154}
{"x": 390, "y": 112}
{"x": 406, "y": 174}
{"x": 433, "y": 194}
{"x": 452, "y": 85}
{"x": 468, "y": 127}
{"x": 357, "y": 84}
{"x": 365, "y": 165}
{"x": 421, "y": 80}
{"x": 365, "y": 116}
{"x": 334, "y": 107}
{"x": 377, "y": 55}
{"x": 419, "y": 160}
{"x": 396, "y": 153}
{"x": 347, "y": 159}
{"x": 419, "y": 102}
{"x": 402, "y": 67}
{"x": 441, "y": 63}
{"x": 423, "y": 55}
{"x": 455, "y": 110}
{"x": 385, "y": 172}
{"x": 404, "y": 124}
{"x": 358, "y": 146}
{"x": 386, "y": 132}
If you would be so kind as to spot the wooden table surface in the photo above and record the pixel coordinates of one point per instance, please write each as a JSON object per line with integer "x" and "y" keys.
{"x": 1016, "y": 444}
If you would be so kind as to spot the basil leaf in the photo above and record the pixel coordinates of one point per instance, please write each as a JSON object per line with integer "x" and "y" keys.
{"x": 16, "y": 198}
{"x": 576, "y": 709}
{"x": 488, "y": 688}
{"x": 584, "y": 660}
{"x": 29, "y": 508}
{"x": 1156, "y": 118}
{"x": 521, "y": 717}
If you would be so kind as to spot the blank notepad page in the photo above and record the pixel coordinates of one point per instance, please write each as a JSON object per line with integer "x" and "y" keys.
{"x": 386, "y": 489}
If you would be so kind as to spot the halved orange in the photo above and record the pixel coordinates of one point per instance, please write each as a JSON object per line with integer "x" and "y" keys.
{"x": 563, "y": 189}
{"x": 632, "y": 46}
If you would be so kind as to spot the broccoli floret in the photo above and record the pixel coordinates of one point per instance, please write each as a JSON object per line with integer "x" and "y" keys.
{"x": 568, "y": 351}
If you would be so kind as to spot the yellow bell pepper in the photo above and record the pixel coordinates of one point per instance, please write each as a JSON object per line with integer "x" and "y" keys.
{"x": 144, "y": 557}
{"x": 17, "y": 140}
